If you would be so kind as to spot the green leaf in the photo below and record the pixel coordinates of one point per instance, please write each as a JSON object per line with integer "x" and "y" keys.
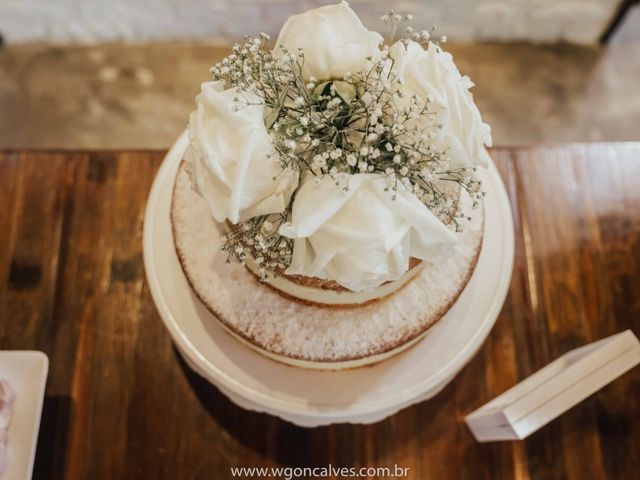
{"x": 345, "y": 91}
{"x": 320, "y": 89}
{"x": 271, "y": 117}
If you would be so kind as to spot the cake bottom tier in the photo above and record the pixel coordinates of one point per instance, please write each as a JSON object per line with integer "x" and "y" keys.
{"x": 305, "y": 335}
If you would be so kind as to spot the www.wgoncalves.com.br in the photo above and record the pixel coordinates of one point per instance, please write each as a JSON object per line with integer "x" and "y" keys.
{"x": 292, "y": 473}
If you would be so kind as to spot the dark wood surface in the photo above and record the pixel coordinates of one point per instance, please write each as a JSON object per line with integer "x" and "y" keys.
{"x": 121, "y": 404}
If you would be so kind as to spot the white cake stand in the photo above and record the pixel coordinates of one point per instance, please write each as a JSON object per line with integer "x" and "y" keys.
{"x": 311, "y": 398}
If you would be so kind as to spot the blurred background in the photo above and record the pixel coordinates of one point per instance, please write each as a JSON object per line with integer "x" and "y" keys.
{"x": 123, "y": 74}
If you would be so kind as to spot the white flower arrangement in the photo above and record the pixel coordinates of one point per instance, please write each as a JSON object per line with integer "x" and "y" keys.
{"x": 334, "y": 155}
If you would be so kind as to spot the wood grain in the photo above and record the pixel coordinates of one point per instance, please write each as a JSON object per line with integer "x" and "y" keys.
{"x": 122, "y": 404}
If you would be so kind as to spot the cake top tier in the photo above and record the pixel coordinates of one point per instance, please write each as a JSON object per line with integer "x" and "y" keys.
{"x": 332, "y": 155}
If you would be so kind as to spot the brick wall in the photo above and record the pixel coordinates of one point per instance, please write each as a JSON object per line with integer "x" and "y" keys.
{"x": 90, "y": 21}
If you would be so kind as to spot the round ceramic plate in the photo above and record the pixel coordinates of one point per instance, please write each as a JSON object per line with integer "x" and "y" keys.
{"x": 311, "y": 397}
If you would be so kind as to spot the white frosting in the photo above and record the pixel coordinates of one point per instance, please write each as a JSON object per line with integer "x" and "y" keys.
{"x": 333, "y": 39}
{"x": 334, "y": 297}
{"x": 228, "y": 156}
{"x": 339, "y": 365}
{"x": 432, "y": 73}
{"x": 361, "y": 237}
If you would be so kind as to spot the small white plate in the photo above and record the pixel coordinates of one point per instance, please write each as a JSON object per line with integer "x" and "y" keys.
{"x": 312, "y": 398}
{"x": 26, "y": 371}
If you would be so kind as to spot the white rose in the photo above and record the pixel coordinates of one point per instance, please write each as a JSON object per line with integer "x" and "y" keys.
{"x": 431, "y": 72}
{"x": 361, "y": 237}
{"x": 228, "y": 155}
{"x": 333, "y": 40}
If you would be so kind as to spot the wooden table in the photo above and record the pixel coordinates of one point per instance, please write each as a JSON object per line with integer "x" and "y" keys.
{"x": 122, "y": 404}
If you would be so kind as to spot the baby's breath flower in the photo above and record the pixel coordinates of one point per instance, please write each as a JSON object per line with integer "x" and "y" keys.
{"x": 351, "y": 125}
{"x": 335, "y": 154}
{"x": 267, "y": 227}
